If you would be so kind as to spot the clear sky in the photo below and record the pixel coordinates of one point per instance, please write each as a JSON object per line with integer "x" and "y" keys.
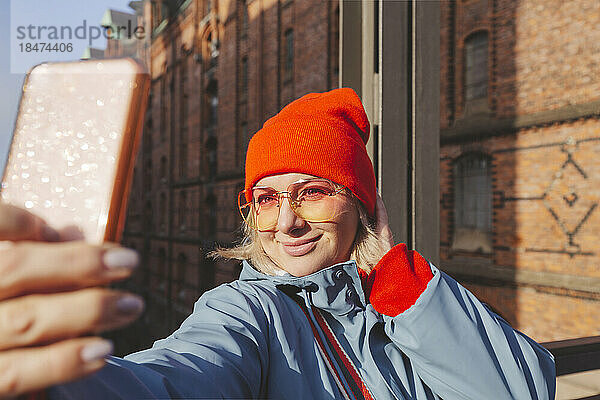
{"x": 59, "y": 13}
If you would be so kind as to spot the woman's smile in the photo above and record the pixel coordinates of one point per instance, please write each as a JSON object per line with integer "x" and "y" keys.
{"x": 299, "y": 248}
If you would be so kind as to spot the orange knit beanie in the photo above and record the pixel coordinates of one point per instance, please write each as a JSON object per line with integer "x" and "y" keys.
{"x": 322, "y": 134}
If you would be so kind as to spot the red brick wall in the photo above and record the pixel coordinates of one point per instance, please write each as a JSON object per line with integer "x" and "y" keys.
{"x": 541, "y": 314}
{"x": 557, "y": 53}
{"x": 543, "y": 57}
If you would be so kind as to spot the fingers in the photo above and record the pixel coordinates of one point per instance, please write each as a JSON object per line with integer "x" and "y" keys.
{"x": 30, "y": 369}
{"x": 381, "y": 212}
{"x": 30, "y": 267}
{"x": 19, "y": 224}
{"x": 383, "y": 228}
{"x": 35, "y": 319}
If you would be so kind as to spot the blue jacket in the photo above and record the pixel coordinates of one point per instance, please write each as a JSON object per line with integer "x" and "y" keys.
{"x": 253, "y": 338}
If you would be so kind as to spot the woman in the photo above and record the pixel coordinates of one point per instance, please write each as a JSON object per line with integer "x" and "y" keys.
{"x": 326, "y": 307}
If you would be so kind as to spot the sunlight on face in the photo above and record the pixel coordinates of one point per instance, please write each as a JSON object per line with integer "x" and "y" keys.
{"x": 301, "y": 247}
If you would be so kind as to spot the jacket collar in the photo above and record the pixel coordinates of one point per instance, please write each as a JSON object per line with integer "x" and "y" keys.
{"x": 336, "y": 289}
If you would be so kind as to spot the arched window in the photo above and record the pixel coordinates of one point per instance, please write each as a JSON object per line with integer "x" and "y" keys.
{"x": 211, "y": 50}
{"x": 476, "y": 66}
{"x": 472, "y": 203}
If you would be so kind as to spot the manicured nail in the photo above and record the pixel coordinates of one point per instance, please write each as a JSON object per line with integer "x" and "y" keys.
{"x": 120, "y": 258}
{"x": 97, "y": 351}
{"x": 50, "y": 234}
{"x": 130, "y": 304}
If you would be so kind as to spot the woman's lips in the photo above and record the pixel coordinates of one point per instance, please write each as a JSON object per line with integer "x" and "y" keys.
{"x": 301, "y": 247}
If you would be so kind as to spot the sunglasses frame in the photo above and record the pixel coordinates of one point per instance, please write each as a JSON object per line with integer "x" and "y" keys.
{"x": 250, "y": 221}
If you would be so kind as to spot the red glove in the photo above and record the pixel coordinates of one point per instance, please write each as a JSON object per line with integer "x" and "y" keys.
{"x": 397, "y": 281}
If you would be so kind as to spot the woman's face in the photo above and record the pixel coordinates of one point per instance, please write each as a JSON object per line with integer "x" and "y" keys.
{"x": 301, "y": 247}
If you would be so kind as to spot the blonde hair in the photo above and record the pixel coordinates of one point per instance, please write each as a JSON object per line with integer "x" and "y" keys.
{"x": 367, "y": 249}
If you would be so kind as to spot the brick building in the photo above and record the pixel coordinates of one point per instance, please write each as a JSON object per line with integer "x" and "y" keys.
{"x": 520, "y": 135}
{"x": 519, "y": 127}
{"x": 219, "y": 69}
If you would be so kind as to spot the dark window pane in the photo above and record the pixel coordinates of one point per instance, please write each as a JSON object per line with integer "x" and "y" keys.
{"x": 473, "y": 200}
{"x": 476, "y": 66}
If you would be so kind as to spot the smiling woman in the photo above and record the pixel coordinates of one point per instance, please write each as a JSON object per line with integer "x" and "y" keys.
{"x": 326, "y": 307}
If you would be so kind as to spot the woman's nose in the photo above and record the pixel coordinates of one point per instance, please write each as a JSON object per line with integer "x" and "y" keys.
{"x": 288, "y": 220}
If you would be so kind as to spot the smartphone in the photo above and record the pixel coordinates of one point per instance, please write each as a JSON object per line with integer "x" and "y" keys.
{"x": 74, "y": 143}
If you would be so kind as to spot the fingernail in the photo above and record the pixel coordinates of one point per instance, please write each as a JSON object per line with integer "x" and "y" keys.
{"x": 50, "y": 234}
{"x": 97, "y": 351}
{"x": 120, "y": 258}
{"x": 130, "y": 304}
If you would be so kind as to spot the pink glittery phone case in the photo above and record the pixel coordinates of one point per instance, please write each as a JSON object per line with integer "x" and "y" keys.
{"x": 72, "y": 155}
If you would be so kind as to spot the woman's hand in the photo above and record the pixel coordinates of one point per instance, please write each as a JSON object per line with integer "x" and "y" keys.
{"x": 399, "y": 278}
{"x": 382, "y": 228}
{"x": 50, "y": 301}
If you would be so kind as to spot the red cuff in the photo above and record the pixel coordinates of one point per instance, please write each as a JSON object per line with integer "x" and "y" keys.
{"x": 397, "y": 281}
